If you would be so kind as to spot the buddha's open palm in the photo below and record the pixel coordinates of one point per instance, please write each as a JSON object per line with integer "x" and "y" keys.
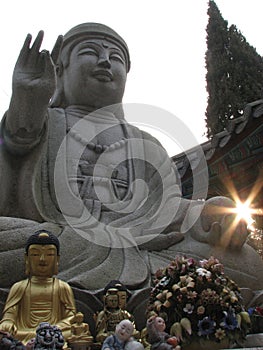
{"x": 34, "y": 71}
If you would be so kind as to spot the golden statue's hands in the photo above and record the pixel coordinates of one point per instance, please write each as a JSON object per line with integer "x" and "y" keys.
{"x": 8, "y": 326}
{"x": 34, "y": 72}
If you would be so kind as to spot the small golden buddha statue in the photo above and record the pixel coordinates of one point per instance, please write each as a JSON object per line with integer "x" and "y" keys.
{"x": 41, "y": 297}
{"x": 122, "y": 292}
{"x": 111, "y": 316}
{"x": 80, "y": 334}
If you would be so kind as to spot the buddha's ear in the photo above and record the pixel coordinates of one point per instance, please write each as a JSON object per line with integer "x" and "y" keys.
{"x": 57, "y": 99}
{"x": 59, "y": 69}
{"x": 55, "y": 270}
{"x": 27, "y": 266}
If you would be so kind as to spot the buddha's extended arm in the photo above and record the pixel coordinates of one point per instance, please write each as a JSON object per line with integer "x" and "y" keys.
{"x": 33, "y": 84}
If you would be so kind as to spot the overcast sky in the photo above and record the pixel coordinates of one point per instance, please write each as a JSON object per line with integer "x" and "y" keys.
{"x": 166, "y": 40}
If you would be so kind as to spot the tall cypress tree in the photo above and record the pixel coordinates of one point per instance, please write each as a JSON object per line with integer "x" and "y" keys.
{"x": 234, "y": 72}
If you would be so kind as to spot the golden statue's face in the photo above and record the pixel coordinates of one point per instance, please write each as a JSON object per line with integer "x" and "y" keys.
{"x": 112, "y": 301}
{"x": 42, "y": 260}
{"x": 122, "y": 299}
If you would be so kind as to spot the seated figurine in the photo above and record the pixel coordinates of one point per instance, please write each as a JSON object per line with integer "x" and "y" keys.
{"x": 48, "y": 337}
{"x": 79, "y": 330}
{"x": 110, "y": 316}
{"x": 122, "y": 338}
{"x": 41, "y": 297}
{"x": 157, "y": 337}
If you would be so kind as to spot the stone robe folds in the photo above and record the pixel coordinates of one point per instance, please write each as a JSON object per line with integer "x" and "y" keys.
{"x": 30, "y": 190}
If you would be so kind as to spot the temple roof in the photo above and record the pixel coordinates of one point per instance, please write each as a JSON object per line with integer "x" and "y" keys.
{"x": 239, "y": 129}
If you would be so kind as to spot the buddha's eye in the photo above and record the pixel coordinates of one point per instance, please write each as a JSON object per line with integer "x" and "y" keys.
{"x": 88, "y": 51}
{"x": 117, "y": 57}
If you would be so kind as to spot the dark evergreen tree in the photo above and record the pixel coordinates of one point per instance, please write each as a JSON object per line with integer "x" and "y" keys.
{"x": 234, "y": 72}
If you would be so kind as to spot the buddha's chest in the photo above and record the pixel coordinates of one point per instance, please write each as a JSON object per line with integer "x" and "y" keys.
{"x": 98, "y": 167}
{"x": 40, "y": 294}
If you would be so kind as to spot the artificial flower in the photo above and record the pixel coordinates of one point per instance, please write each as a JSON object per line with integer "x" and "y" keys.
{"x": 199, "y": 300}
{"x": 206, "y": 326}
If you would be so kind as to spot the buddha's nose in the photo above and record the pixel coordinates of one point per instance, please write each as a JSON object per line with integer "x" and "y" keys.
{"x": 42, "y": 257}
{"x": 104, "y": 61}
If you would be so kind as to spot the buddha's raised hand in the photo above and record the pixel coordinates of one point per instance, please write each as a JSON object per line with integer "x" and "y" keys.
{"x": 35, "y": 70}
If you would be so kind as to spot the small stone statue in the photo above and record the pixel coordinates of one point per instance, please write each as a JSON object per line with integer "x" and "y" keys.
{"x": 80, "y": 333}
{"x": 157, "y": 337}
{"x": 48, "y": 337}
{"x": 122, "y": 338}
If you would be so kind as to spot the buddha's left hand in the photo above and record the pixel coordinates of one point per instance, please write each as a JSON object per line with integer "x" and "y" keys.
{"x": 218, "y": 224}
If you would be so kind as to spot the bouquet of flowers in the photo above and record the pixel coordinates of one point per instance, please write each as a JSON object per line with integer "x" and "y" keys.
{"x": 198, "y": 301}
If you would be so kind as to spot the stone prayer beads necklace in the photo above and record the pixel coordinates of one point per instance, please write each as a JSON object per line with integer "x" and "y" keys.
{"x": 98, "y": 148}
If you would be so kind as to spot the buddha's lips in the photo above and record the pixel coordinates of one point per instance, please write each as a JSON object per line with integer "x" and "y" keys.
{"x": 103, "y": 73}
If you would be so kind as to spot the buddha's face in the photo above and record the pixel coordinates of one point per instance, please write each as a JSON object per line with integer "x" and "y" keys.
{"x": 42, "y": 260}
{"x": 112, "y": 301}
{"x": 122, "y": 299}
{"x": 95, "y": 75}
{"x": 79, "y": 317}
{"x": 124, "y": 330}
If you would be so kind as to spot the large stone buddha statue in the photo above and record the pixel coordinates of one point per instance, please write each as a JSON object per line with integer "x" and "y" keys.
{"x": 41, "y": 297}
{"x": 76, "y": 167}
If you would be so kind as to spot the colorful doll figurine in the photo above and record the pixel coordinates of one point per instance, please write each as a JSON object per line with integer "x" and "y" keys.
{"x": 157, "y": 337}
{"x": 122, "y": 338}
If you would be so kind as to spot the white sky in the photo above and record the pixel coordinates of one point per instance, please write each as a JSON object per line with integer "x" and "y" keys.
{"x": 166, "y": 41}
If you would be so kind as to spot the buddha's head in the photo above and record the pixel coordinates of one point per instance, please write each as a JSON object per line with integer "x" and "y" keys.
{"x": 79, "y": 317}
{"x": 122, "y": 292}
{"x": 112, "y": 299}
{"x": 92, "y": 67}
{"x": 42, "y": 254}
